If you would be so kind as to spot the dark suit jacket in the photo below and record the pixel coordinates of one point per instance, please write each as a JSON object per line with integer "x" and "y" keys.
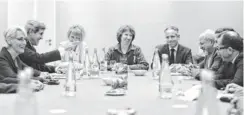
{"x": 8, "y": 70}
{"x": 8, "y": 88}
{"x": 183, "y": 54}
{"x": 230, "y": 73}
{"x": 215, "y": 63}
{"x": 37, "y": 61}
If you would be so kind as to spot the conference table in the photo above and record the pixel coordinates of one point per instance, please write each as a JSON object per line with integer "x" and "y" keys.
{"x": 142, "y": 95}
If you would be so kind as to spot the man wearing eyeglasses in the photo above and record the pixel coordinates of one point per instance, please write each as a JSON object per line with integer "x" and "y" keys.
{"x": 230, "y": 48}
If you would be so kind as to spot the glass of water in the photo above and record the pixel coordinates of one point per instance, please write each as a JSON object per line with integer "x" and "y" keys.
{"x": 177, "y": 82}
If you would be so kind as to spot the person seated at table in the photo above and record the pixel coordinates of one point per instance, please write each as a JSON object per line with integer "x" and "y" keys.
{"x": 199, "y": 58}
{"x": 10, "y": 62}
{"x": 212, "y": 60}
{"x": 126, "y": 52}
{"x": 76, "y": 33}
{"x": 177, "y": 53}
{"x": 31, "y": 57}
{"x": 230, "y": 48}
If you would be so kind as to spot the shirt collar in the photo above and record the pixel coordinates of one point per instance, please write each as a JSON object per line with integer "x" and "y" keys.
{"x": 29, "y": 42}
{"x": 233, "y": 61}
{"x": 176, "y": 47}
{"x": 118, "y": 48}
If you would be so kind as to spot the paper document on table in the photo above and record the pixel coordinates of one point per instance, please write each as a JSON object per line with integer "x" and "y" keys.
{"x": 192, "y": 93}
{"x": 57, "y": 76}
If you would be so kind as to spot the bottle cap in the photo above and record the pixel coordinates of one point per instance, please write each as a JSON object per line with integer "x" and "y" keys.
{"x": 22, "y": 74}
{"x": 24, "y": 78}
{"x": 156, "y": 50}
{"x": 165, "y": 56}
{"x": 95, "y": 50}
{"x": 28, "y": 72}
{"x": 207, "y": 75}
{"x": 86, "y": 50}
{"x": 71, "y": 57}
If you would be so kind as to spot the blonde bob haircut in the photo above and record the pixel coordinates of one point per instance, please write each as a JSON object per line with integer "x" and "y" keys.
{"x": 78, "y": 29}
{"x": 11, "y": 33}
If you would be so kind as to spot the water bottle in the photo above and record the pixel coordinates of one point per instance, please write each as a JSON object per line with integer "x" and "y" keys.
{"x": 26, "y": 100}
{"x": 70, "y": 84}
{"x": 103, "y": 62}
{"x": 78, "y": 70}
{"x": 95, "y": 65}
{"x": 156, "y": 65}
{"x": 87, "y": 65}
{"x": 165, "y": 82}
{"x": 207, "y": 103}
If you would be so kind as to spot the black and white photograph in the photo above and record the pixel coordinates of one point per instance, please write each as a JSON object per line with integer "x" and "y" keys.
{"x": 121, "y": 57}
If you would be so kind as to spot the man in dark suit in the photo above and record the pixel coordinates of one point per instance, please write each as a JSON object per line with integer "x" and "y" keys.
{"x": 177, "y": 53}
{"x": 212, "y": 60}
{"x": 32, "y": 58}
{"x": 230, "y": 48}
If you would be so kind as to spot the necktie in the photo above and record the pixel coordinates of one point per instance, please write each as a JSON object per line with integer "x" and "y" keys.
{"x": 172, "y": 57}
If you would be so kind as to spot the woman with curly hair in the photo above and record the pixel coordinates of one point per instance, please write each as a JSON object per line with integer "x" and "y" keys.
{"x": 126, "y": 52}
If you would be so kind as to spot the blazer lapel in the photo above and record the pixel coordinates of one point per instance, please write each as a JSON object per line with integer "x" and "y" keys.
{"x": 10, "y": 59}
{"x": 212, "y": 57}
{"x": 28, "y": 45}
{"x": 179, "y": 54}
{"x": 165, "y": 50}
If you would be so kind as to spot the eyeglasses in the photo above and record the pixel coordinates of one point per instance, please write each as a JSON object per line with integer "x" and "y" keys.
{"x": 219, "y": 48}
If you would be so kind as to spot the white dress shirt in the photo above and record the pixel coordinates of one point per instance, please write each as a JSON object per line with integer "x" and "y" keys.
{"x": 175, "y": 52}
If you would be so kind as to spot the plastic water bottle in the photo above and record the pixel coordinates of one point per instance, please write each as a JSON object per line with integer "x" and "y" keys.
{"x": 103, "y": 62}
{"x": 95, "y": 65}
{"x": 26, "y": 100}
{"x": 207, "y": 103}
{"x": 87, "y": 65}
{"x": 156, "y": 65}
{"x": 165, "y": 82}
{"x": 70, "y": 84}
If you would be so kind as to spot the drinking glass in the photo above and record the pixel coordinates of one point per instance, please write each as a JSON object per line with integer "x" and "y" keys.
{"x": 177, "y": 84}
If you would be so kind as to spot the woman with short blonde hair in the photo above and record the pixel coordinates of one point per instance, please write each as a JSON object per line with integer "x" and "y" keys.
{"x": 76, "y": 33}
{"x": 10, "y": 62}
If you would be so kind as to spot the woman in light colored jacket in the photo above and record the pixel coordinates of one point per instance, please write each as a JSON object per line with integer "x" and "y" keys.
{"x": 75, "y": 33}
